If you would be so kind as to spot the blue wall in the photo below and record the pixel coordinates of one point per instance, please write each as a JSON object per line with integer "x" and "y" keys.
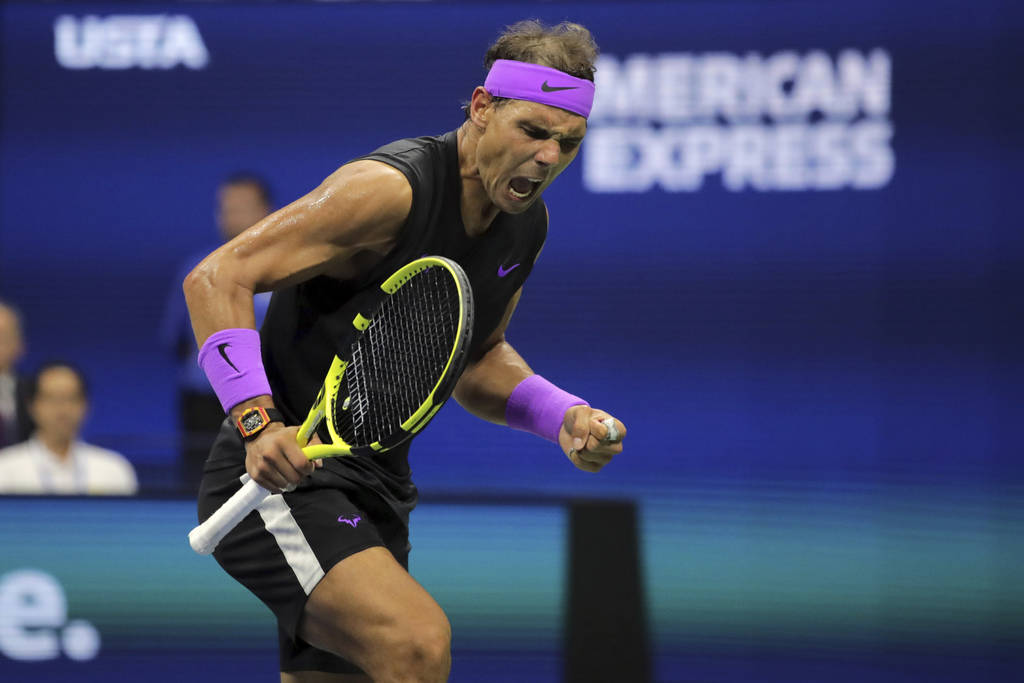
{"x": 798, "y": 286}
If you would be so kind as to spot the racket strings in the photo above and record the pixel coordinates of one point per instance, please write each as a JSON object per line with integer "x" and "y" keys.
{"x": 401, "y": 356}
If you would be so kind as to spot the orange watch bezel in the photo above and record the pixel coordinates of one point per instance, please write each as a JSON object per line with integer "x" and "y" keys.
{"x": 246, "y": 433}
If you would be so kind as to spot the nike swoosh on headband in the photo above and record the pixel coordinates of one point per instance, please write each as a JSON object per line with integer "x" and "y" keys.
{"x": 224, "y": 355}
{"x": 532, "y": 82}
{"x": 555, "y": 88}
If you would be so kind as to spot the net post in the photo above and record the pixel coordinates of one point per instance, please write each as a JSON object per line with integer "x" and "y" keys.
{"x": 606, "y": 637}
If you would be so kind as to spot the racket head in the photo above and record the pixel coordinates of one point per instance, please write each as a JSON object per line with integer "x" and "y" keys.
{"x": 401, "y": 367}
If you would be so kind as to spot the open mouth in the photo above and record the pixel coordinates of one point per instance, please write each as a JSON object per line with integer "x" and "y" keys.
{"x": 522, "y": 188}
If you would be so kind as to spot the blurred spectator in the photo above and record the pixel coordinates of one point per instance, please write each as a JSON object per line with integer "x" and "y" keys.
{"x": 243, "y": 199}
{"x": 54, "y": 460}
{"x": 14, "y": 421}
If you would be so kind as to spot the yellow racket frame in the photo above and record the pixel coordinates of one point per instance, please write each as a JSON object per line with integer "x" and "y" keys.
{"x": 327, "y": 398}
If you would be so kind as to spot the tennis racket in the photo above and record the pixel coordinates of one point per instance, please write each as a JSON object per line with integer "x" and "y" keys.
{"x": 397, "y": 373}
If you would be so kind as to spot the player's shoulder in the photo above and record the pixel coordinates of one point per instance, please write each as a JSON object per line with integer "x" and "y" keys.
{"x": 405, "y": 161}
{"x": 422, "y": 146}
{"x": 417, "y": 158}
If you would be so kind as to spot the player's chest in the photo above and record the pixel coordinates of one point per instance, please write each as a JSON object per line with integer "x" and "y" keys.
{"x": 497, "y": 265}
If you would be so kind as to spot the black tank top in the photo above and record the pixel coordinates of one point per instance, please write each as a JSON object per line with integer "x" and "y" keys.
{"x": 308, "y": 323}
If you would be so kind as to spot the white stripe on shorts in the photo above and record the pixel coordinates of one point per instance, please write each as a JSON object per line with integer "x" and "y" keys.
{"x": 278, "y": 520}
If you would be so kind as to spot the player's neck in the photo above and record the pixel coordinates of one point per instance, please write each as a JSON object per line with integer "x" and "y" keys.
{"x": 57, "y": 444}
{"x": 478, "y": 211}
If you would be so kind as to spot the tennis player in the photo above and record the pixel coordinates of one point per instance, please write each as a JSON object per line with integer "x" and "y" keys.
{"x": 330, "y": 555}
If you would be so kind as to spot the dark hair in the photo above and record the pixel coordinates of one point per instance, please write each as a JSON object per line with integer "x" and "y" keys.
{"x": 254, "y": 179}
{"x": 32, "y": 386}
{"x": 567, "y": 47}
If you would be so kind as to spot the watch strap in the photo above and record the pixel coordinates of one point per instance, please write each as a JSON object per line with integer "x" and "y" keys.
{"x": 267, "y": 415}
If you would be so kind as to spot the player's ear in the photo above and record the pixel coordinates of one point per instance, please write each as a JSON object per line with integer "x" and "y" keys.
{"x": 481, "y": 107}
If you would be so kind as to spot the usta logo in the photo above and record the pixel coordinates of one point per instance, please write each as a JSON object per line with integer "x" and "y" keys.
{"x": 125, "y": 41}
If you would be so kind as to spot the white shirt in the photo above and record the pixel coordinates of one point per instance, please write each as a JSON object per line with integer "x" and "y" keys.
{"x": 31, "y": 468}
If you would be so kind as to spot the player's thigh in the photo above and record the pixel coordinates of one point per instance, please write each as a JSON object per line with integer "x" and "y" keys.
{"x": 365, "y": 603}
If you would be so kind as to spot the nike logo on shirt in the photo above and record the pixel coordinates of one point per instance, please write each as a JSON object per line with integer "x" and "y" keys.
{"x": 502, "y": 272}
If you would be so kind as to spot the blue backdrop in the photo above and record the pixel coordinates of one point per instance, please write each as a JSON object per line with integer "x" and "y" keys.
{"x": 788, "y": 258}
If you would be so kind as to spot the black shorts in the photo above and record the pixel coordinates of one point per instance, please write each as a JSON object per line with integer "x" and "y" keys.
{"x": 282, "y": 550}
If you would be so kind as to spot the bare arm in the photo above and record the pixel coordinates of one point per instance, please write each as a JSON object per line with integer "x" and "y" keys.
{"x": 350, "y": 221}
{"x": 341, "y": 228}
{"x": 489, "y": 378}
{"x": 492, "y": 376}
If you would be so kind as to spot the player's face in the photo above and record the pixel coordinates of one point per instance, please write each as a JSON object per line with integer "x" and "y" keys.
{"x": 524, "y": 148}
{"x": 59, "y": 406}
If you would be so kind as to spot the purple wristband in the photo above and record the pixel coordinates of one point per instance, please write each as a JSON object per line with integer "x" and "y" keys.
{"x": 232, "y": 362}
{"x": 538, "y": 406}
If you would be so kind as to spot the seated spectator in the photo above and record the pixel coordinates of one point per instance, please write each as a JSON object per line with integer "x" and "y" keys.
{"x": 14, "y": 422}
{"x": 54, "y": 460}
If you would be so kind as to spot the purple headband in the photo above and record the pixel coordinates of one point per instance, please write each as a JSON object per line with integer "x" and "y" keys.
{"x": 525, "y": 81}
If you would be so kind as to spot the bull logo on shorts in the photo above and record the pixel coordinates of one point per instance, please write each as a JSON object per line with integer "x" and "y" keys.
{"x": 351, "y": 522}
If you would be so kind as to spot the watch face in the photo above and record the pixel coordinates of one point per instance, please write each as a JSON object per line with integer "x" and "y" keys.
{"x": 251, "y": 420}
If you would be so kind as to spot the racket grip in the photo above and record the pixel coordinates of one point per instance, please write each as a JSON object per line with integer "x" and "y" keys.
{"x": 205, "y": 537}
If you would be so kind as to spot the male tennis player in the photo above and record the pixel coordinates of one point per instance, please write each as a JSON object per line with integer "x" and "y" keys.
{"x": 329, "y": 556}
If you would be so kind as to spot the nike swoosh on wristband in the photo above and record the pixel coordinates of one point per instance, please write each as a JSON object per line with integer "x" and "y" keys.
{"x": 555, "y": 88}
{"x": 502, "y": 272}
{"x": 224, "y": 355}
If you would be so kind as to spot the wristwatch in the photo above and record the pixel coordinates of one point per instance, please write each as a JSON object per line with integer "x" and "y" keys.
{"x": 254, "y": 420}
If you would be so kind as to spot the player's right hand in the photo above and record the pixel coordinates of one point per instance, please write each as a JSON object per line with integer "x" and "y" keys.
{"x": 275, "y": 461}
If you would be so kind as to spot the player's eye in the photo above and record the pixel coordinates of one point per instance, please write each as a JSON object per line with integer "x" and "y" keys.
{"x": 535, "y": 133}
{"x": 568, "y": 145}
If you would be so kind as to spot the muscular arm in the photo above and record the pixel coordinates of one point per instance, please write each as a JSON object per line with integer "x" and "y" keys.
{"x": 340, "y": 229}
{"x": 489, "y": 379}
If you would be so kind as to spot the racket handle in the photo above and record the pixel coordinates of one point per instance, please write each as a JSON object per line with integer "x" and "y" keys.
{"x": 205, "y": 537}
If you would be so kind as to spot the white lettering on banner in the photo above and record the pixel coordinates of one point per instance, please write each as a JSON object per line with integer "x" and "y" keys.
{"x": 783, "y": 122}
{"x": 33, "y": 611}
{"x": 122, "y": 41}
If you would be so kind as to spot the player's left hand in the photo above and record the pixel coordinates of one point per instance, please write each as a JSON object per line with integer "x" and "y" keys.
{"x": 586, "y": 439}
